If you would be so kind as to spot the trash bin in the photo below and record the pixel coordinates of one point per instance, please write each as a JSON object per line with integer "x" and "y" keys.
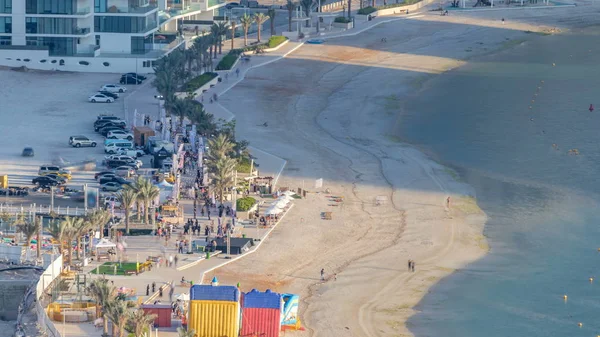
{"x": 244, "y": 236}
{"x": 369, "y": 17}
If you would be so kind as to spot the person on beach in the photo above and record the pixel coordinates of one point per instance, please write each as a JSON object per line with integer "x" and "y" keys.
{"x": 322, "y": 274}
{"x": 409, "y": 264}
{"x": 413, "y": 266}
{"x": 448, "y": 203}
{"x": 502, "y": 20}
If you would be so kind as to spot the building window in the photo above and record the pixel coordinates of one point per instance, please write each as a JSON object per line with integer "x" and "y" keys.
{"x": 100, "y": 6}
{"x": 51, "y": 6}
{"x": 97, "y": 40}
{"x": 6, "y": 6}
{"x": 123, "y": 24}
{"x": 50, "y": 26}
{"x": 5, "y": 40}
{"x": 57, "y": 46}
{"x": 5, "y": 24}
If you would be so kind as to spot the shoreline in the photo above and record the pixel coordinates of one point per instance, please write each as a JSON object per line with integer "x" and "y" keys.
{"x": 319, "y": 293}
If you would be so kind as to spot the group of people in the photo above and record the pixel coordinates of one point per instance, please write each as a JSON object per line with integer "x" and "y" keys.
{"x": 411, "y": 266}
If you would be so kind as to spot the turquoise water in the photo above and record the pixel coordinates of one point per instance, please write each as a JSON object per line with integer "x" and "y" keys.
{"x": 542, "y": 203}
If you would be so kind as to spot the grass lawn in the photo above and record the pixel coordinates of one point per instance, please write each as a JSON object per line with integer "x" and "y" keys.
{"x": 108, "y": 268}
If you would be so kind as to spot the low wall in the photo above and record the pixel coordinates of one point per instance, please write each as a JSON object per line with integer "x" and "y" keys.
{"x": 333, "y": 6}
{"x": 46, "y": 326}
{"x": 400, "y": 9}
{"x": 11, "y": 295}
{"x": 11, "y": 253}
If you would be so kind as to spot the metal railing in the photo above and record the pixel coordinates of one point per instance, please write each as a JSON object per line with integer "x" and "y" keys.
{"x": 41, "y": 209}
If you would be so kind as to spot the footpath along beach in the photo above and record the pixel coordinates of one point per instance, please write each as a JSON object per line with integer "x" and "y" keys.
{"x": 331, "y": 110}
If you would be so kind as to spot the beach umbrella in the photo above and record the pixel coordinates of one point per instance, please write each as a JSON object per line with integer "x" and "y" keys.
{"x": 279, "y": 204}
{"x": 273, "y": 211}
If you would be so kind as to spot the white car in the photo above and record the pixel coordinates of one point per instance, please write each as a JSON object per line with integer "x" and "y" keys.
{"x": 100, "y": 98}
{"x": 112, "y": 200}
{"x": 113, "y": 88}
{"x": 130, "y": 152}
{"x": 124, "y": 171}
{"x": 138, "y": 163}
{"x": 119, "y": 134}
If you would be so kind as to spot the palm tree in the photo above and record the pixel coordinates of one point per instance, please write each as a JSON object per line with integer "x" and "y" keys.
{"x": 170, "y": 74}
{"x": 102, "y": 292}
{"x": 139, "y": 321}
{"x": 189, "y": 58}
{"x": 271, "y": 13}
{"x": 259, "y": 18}
{"x": 218, "y": 147}
{"x": 56, "y": 230}
{"x": 181, "y": 108}
{"x": 372, "y": 3}
{"x": 127, "y": 197}
{"x": 204, "y": 121}
{"x": 222, "y": 28}
{"x": 28, "y": 228}
{"x": 96, "y": 220}
{"x": 137, "y": 185}
{"x": 80, "y": 228}
{"x": 147, "y": 193}
{"x": 186, "y": 333}
{"x": 290, "y": 6}
{"x": 233, "y": 24}
{"x": 198, "y": 50}
{"x": 223, "y": 176}
{"x": 214, "y": 34}
{"x": 116, "y": 311}
{"x": 350, "y": 8}
{"x": 306, "y": 6}
{"x": 246, "y": 22}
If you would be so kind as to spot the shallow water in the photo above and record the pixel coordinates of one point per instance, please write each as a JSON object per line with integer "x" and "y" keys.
{"x": 542, "y": 203}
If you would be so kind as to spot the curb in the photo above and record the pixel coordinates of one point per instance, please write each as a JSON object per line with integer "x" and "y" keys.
{"x": 250, "y": 252}
{"x": 509, "y": 8}
{"x": 276, "y": 48}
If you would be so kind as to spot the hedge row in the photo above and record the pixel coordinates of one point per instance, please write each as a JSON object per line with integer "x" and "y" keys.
{"x": 342, "y": 19}
{"x": 198, "y": 81}
{"x": 276, "y": 40}
{"x": 367, "y": 10}
{"x": 244, "y": 204}
{"x": 228, "y": 60}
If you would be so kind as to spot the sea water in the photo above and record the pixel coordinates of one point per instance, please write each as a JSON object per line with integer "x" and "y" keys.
{"x": 506, "y": 123}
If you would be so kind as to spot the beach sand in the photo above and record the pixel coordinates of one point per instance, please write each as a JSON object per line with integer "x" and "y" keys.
{"x": 331, "y": 110}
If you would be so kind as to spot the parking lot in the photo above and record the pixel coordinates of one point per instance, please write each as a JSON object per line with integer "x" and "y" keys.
{"x": 42, "y": 110}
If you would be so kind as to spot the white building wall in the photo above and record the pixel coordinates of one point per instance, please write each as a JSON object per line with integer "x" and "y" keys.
{"x": 115, "y": 43}
{"x": 39, "y": 59}
{"x": 18, "y": 22}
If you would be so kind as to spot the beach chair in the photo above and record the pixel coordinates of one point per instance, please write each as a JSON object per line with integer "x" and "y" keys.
{"x": 327, "y": 216}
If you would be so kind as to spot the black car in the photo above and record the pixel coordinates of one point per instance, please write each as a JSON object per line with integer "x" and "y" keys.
{"x": 44, "y": 181}
{"x": 59, "y": 179}
{"x": 27, "y": 152}
{"x": 100, "y": 125}
{"x": 128, "y": 79}
{"x": 116, "y": 179}
{"x": 141, "y": 77}
{"x": 109, "y": 94}
{"x": 115, "y": 163}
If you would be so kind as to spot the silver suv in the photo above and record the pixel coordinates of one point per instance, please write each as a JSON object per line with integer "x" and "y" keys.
{"x": 79, "y": 141}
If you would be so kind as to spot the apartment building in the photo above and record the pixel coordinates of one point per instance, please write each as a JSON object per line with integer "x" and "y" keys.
{"x": 94, "y": 35}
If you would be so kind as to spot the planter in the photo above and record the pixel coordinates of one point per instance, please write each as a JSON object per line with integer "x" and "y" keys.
{"x": 280, "y": 45}
{"x": 342, "y": 25}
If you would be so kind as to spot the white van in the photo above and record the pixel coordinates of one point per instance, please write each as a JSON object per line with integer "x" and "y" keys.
{"x": 112, "y": 148}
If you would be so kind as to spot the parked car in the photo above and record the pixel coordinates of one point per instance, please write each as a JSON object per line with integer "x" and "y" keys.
{"x": 113, "y": 88}
{"x": 119, "y": 134}
{"x": 52, "y": 169}
{"x": 102, "y": 122}
{"x": 79, "y": 141}
{"x": 233, "y": 5}
{"x": 61, "y": 180}
{"x": 114, "y": 95}
{"x": 100, "y": 98}
{"x": 27, "y": 152}
{"x": 112, "y": 164}
{"x": 44, "y": 181}
{"x": 141, "y": 77}
{"x": 103, "y": 173}
{"x": 111, "y": 187}
{"x": 112, "y": 200}
{"x": 128, "y": 79}
{"x": 125, "y": 171}
{"x": 106, "y": 129}
{"x": 130, "y": 152}
{"x": 107, "y": 117}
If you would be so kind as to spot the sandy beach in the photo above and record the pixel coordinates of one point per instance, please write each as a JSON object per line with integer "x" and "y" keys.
{"x": 331, "y": 111}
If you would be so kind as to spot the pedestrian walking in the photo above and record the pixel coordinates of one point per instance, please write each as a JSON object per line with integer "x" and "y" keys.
{"x": 322, "y": 274}
{"x": 237, "y": 72}
{"x": 160, "y": 292}
{"x": 413, "y": 266}
{"x": 147, "y": 290}
{"x": 171, "y": 291}
{"x": 502, "y": 20}
{"x": 448, "y": 203}
{"x": 153, "y": 287}
{"x": 335, "y": 277}
{"x": 409, "y": 264}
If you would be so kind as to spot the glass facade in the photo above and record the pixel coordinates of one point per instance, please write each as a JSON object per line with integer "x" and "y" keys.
{"x": 119, "y": 6}
{"x": 140, "y": 44}
{"x": 57, "y": 46}
{"x": 5, "y": 40}
{"x": 124, "y": 24}
{"x": 100, "y": 6}
{"x": 50, "y": 6}
{"x": 6, "y": 6}
{"x": 52, "y": 26}
{"x": 5, "y": 24}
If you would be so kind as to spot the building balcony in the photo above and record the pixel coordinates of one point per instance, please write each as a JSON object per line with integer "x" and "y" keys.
{"x": 79, "y": 32}
{"x": 128, "y": 10}
{"x": 81, "y": 13}
{"x": 173, "y": 13}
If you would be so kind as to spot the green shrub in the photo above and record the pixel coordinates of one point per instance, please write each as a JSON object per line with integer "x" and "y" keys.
{"x": 228, "y": 60}
{"x": 367, "y": 10}
{"x": 244, "y": 204}
{"x": 243, "y": 165}
{"x": 342, "y": 19}
{"x": 276, "y": 40}
{"x": 405, "y": 3}
{"x": 198, "y": 81}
